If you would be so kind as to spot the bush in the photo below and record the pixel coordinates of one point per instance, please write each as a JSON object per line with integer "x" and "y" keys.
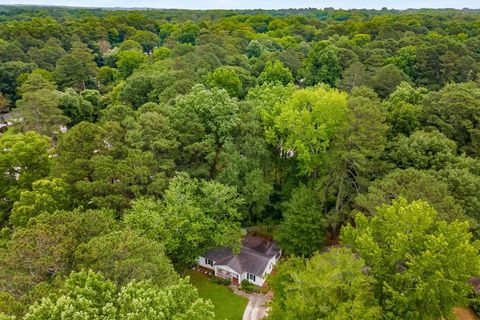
{"x": 248, "y": 287}
{"x": 223, "y": 282}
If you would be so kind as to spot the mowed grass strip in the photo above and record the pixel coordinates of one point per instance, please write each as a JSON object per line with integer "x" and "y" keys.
{"x": 228, "y": 306}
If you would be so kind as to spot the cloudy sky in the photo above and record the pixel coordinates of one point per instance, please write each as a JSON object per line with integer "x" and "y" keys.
{"x": 253, "y": 4}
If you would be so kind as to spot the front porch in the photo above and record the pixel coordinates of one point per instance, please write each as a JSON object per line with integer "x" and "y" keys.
{"x": 227, "y": 274}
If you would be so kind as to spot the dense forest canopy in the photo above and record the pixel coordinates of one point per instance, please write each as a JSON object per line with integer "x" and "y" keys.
{"x": 135, "y": 140}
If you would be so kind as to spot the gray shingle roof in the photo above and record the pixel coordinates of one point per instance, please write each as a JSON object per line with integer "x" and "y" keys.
{"x": 252, "y": 258}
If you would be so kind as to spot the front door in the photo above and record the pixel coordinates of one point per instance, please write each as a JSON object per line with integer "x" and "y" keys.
{"x": 235, "y": 281}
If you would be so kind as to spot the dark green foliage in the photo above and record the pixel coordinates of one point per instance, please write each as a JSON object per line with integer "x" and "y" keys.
{"x": 182, "y": 127}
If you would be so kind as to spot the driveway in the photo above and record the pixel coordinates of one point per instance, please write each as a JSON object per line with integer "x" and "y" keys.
{"x": 256, "y": 308}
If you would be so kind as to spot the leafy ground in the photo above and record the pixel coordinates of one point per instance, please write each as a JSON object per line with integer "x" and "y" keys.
{"x": 228, "y": 305}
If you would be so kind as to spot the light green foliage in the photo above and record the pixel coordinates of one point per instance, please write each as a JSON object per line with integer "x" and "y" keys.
{"x": 24, "y": 158}
{"x": 36, "y": 81}
{"x": 275, "y": 72}
{"x": 46, "y": 196}
{"x": 85, "y": 295}
{"x": 421, "y": 264}
{"x": 201, "y": 215}
{"x": 195, "y": 216}
{"x": 225, "y": 78}
{"x": 406, "y": 59}
{"x": 88, "y": 295}
{"x": 302, "y": 231}
{"x": 331, "y": 285}
{"x": 143, "y": 300}
{"x": 161, "y": 53}
{"x": 124, "y": 255}
{"x": 305, "y": 125}
{"x": 128, "y": 61}
{"x": 322, "y": 64}
{"x": 422, "y": 150}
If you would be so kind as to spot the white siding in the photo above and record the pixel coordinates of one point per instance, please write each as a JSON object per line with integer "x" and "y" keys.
{"x": 259, "y": 281}
{"x": 202, "y": 263}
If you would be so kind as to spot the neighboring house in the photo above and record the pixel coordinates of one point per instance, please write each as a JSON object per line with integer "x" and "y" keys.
{"x": 4, "y": 123}
{"x": 254, "y": 262}
{"x": 9, "y": 119}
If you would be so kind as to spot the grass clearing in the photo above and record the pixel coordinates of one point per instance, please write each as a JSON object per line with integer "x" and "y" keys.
{"x": 228, "y": 306}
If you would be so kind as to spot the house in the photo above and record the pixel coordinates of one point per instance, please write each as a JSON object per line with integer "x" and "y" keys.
{"x": 254, "y": 262}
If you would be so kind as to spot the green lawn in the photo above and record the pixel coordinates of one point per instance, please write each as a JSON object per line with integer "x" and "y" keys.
{"x": 228, "y": 306}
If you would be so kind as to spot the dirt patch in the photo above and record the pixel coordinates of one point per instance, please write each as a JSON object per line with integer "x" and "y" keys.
{"x": 465, "y": 314}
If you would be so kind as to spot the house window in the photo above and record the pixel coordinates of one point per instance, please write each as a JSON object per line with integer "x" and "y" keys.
{"x": 209, "y": 262}
{"x": 251, "y": 277}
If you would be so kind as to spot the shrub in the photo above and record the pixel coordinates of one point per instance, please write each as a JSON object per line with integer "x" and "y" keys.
{"x": 223, "y": 282}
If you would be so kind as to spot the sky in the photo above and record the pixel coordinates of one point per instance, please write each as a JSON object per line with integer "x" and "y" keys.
{"x": 256, "y": 4}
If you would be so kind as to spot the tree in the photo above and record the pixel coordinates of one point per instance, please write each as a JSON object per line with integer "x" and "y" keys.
{"x": 411, "y": 184}
{"x": 386, "y": 79}
{"x": 275, "y": 72}
{"x": 331, "y": 285}
{"x": 75, "y": 107}
{"x": 355, "y": 155}
{"x": 254, "y": 49}
{"x": 122, "y": 256}
{"x": 205, "y": 120}
{"x": 84, "y": 295}
{"x": 161, "y": 53}
{"x": 147, "y": 39}
{"x": 406, "y": 60}
{"x": 188, "y": 33}
{"x": 322, "y": 64}
{"x": 302, "y": 231}
{"x": 35, "y": 81}
{"x": 225, "y": 78}
{"x": 88, "y": 295}
{"x": 9, "y": 72}
{"x": 128, "y": 61}
{"x": 196, "y": 216}
{"x": 4, "y": 103}
{"x": 39, "y": 111}
{"x": 76, "y": 69}
{"x": 421, "y": 264}
{"x": 422, "y": 150}
{"x": 454, "y": 110}
{"x": 305, "y": 125}
{"x": 46, "y": 196}
{"x": 353, "y": 76}
{"x": 24, "y": 158}
{"x": 45, "y": 248}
